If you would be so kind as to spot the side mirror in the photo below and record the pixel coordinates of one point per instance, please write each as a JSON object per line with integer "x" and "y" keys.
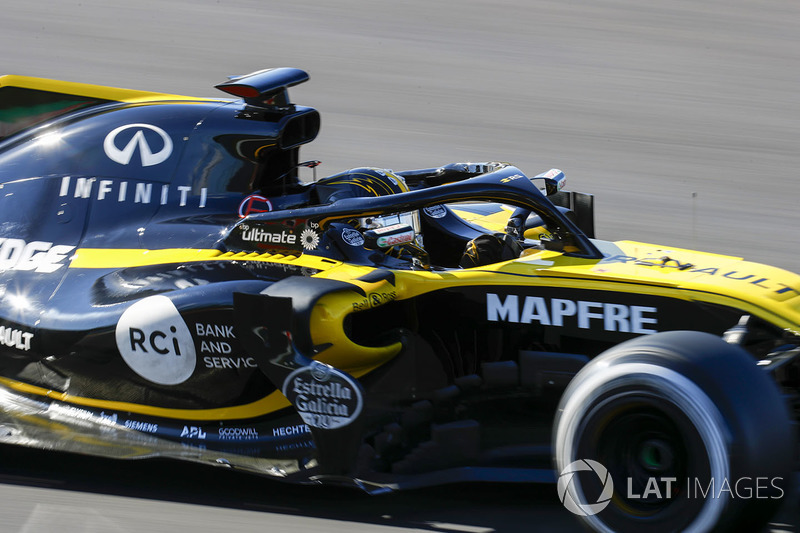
{"x": 554, "y": 181}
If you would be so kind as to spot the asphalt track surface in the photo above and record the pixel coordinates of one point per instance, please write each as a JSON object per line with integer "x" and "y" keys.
{"x": 682, "y": 117}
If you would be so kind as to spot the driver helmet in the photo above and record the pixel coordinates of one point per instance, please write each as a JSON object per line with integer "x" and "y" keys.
{"x": 359, "y": 182}
{"x": 368, "y": 182}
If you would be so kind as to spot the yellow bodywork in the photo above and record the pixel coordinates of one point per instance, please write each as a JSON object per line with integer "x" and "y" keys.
{"x": 762, "y": 291}
{"x": 92, "y": 91}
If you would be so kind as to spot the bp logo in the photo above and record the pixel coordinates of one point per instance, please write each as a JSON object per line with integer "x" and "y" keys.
{"x": 309, "y": 239}
{"x": 571, "y": 494}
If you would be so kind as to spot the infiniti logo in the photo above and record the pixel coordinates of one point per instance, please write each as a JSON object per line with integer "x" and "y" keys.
{"x": 123, "y": 156}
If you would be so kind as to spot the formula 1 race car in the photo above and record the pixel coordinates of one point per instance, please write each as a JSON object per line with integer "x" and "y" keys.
{"x": 171, "y": 287}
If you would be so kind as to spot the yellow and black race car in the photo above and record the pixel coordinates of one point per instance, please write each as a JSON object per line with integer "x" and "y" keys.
{"x": 169, "y": 287}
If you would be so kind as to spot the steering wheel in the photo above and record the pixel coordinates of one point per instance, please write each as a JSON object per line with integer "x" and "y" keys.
{"x": 518, "y": 223}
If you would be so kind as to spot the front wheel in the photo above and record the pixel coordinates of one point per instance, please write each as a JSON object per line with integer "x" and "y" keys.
{"x": 677, "y": 431}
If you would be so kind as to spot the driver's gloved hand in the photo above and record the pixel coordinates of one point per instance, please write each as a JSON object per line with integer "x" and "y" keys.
{"x": 490, "y": 248}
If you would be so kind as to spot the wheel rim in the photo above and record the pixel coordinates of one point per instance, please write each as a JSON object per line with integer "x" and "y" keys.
{"x": 643, "y": 391}
{"x": 650, "y": 450}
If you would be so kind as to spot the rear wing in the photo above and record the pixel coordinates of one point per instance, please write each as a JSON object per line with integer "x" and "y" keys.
{"x": 582, "y": 204}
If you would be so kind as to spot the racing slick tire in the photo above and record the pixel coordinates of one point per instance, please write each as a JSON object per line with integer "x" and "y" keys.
{"x": 675, "y": 431}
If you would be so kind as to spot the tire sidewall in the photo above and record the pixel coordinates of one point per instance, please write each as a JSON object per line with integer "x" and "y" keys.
{"x": 734, "y": 407}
